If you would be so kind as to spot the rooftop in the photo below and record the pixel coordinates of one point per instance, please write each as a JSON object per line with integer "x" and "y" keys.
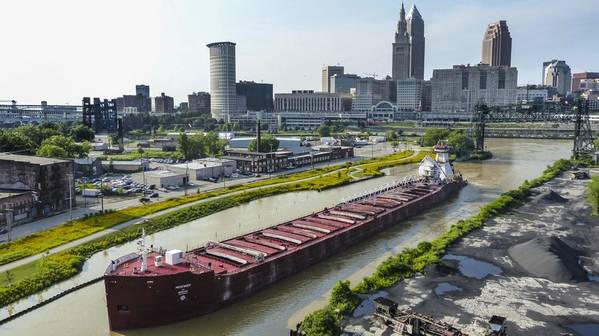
{"x": 163, "y": 173}
{"x": 30, "y": 159}
{"x": 4, "y": 193}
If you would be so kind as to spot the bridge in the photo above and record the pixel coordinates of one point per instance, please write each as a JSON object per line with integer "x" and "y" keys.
{"x": 576, "y": 114}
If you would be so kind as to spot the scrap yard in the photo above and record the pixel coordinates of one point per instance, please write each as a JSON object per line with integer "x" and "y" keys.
{"x": 535, "y": 270}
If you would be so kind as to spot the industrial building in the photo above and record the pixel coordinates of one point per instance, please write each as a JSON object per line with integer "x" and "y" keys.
{"x": 162, "y": 178}
{"x": 125, "y": 166}
{"x": 13, "y": 113}
{"x": 45, "y": 183}
{"x": 206, "y": 168}
{"x": 293, "y": 145}
{"x": 16, "y": 206}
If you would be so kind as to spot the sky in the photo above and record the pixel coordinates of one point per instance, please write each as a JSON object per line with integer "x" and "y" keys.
{"x": 63, "y": 50}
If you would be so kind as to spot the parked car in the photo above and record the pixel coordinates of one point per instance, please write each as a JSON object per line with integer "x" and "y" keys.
{"x": 154, "y": 195}
{"x": 144, "y": 200}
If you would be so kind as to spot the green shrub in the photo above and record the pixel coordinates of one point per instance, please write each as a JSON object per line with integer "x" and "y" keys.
{"x": 322, "y": 322}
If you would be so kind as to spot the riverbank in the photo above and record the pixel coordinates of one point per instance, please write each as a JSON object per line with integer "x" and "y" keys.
{"x": 536, "y": 266}
{"x": 280, "y": 306}
{"x": 32, "y": 277}
{"x": 412, "y": 261}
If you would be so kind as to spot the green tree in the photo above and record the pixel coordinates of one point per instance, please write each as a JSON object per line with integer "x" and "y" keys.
{"x": 52, "y": 151}
{"x": 593, "y": 194}
{"x": 324, "y": 131}
{"x": 322, "y": 322}
{"x": 68, "y": 148}
{"x": 461, "y": 144}
{"x": 266, "y": 144}
{"x": 432, "y": 136}
{"x": 213, "y": 145}
{"x": 81, "y": 133}
{"x": 185, "y": 147}
{"x": 390, "y": 135}
{"x": 342, "y": 297}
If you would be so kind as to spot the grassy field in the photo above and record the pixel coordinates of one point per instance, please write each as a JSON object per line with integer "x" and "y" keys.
{"x": 34, "y": 277}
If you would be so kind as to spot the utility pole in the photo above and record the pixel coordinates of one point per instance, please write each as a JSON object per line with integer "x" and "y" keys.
{"x": 186, "y": 175}
{"x": 70, "y": 180}
{"x": 271, "y": 163}
{"x": 8, "y": 216}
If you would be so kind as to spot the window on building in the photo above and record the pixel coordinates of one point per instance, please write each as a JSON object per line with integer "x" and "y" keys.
{"x": 465, "y": 78}
{"x": 483, "y": 80}
{"x": 501, "y": 82}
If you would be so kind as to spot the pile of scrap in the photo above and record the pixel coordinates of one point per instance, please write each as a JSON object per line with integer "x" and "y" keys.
{"x": 410, "y": 323}
{"x": 579, "y": 175}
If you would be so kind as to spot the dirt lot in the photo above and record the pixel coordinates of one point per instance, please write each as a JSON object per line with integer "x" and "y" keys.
{"x": 537, "y": 266}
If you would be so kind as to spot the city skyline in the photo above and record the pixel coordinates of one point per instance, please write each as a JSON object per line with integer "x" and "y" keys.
{"x": 163, "y": 45}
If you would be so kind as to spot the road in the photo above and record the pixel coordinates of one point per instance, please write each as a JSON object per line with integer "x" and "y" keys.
{"x": 141, "y": 219}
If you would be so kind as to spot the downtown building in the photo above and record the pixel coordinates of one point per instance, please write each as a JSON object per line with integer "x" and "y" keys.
{"x": 223, "y": 91}
{"x": 558, "y": 75}
{"x": 497, "y": 45}
{"x": 255, "y": 96}
{"x": 199, "y": 102}
{"x": 327, "y": 72}
{"x": 456, "y": 91}
{"x": 580, "y": 80}
{"x": 164, "y": 104}
{"x": 408, "y": 48}
{"x": 307, "y": 110}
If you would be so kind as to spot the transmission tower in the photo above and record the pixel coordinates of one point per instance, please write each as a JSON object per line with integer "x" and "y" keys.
{"x": 583, "y": 135}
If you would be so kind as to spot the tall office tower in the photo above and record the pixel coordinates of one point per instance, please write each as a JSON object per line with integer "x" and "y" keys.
{"x": 223, "y": 94}
{"x": 327, "y": 72}
{"x": 557, "y": 74}
{"x": 143, "y": 90}
{"x": 401, "y": 49}
{"x": 497, "y": 45}
{"x": 416, "y": 33}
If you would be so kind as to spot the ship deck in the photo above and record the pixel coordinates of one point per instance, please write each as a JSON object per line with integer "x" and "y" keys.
{"x": 236, "y": 254}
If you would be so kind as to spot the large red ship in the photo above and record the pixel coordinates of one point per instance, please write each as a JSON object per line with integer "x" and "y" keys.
{"x": 153, "y": 288}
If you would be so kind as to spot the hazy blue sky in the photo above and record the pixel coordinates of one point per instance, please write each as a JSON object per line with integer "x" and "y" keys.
{"x": 62, "y": 50}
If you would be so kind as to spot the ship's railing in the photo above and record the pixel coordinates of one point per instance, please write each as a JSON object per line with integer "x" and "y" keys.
{"x": 401, "y": 183}
{"x": 119, "y": 261}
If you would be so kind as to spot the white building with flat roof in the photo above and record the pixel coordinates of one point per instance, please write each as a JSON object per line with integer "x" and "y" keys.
{"x": 206, "y": 168}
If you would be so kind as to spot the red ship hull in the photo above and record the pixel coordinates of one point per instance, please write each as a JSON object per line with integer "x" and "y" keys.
{"x": 158, "y": 299}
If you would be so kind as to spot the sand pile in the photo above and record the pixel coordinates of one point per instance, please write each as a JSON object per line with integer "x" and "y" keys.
{"x": 551, "y": 195}
{"x": 549, "y": 258}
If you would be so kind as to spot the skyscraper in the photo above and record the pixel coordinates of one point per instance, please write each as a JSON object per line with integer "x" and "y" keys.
{"x": 557, "y": 74}
{"x": 497, "y": 45}
{"x": 416, "y": 33}
{"x": 327, "y": 72}
{"x": 223, "y": 94}
{"x": 401, "y": 49}
{"x": 408, "y": 48}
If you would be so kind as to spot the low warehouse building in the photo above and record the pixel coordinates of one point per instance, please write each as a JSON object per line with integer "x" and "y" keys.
{"x": 203, "y": 169}
{"x": 162, "y": 178}
{"x": 125, "y": 166}
{"x": 17, "y": 206}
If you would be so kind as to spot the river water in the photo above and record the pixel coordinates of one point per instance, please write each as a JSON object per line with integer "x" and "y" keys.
{"x": 273, "y": 310}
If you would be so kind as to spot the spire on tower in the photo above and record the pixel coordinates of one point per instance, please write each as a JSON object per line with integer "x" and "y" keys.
{"x": 402, "y": 24}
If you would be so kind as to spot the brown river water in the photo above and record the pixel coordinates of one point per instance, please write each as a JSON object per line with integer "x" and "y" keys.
{"x": 273, "y": 310}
